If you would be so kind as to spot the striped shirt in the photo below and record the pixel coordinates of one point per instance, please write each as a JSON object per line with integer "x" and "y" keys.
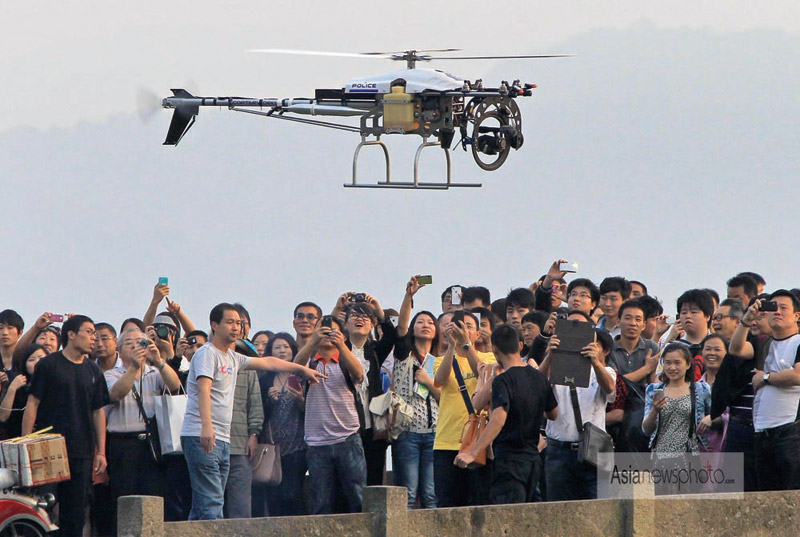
{"x": 331, "y": 414}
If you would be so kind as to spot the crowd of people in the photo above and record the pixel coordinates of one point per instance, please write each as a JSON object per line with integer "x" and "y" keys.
{"x": 723, "y": 376}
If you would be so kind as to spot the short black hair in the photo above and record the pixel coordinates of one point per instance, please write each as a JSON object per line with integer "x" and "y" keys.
{"x": 498, "y": 307}
{"x": 195, "y": 333}
{"x": 582, "y": 314}
{"x": 762, "y": 296}
{"x": 698, "y": 297}
{"x": 477, "y": 292}
{"x": 616, "y": 284}
{"x": 138, "y": 322}
{"x": 307, "y": 305}
{"x": 651, "y": 306}
{"x": 284, "y": 336}
{"x": 505, "y": 338}
{"x": 461, "y": 314}
{"x": 605, "y": 340}
{"x": 737, "y": 308}
{"x": 72, "y": 324}
{"x": 747, "y": 283}
{"x": 218, "y": 312}
{"x": 448, "y": 290}
{"x": 588, "y": 284}
{"x": 714, "y": 295}
{"x": 485, "y": 313}
{"x": 106, "y": 326}
{"x": 338, "y": 321}
{"x": 788, "y": 294}
{"x": 536, "y": 317}
{"x": 242, "y": 311}
{"x": 521, "y": 297}
{"x": 13, "y": 319}
{"x": 637, "y": 282}
{"x": 755, "y": 276}
{"x": 632, "y": 303}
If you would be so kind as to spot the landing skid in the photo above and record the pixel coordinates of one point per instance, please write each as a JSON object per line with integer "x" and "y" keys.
{"x": 416, "y": 184}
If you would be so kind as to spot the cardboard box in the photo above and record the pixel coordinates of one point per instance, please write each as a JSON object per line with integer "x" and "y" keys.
{"x": 37, "y": 459}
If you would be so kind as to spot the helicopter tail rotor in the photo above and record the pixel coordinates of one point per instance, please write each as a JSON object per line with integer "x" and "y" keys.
{"x": 182, "y": 119}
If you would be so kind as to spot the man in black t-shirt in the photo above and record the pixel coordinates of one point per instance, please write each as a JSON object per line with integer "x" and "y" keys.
{"x": 520, "y": 396}
{"x": 68, "y": 392}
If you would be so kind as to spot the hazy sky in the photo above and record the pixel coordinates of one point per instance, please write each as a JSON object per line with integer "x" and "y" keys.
{"x": 665, "y": 151}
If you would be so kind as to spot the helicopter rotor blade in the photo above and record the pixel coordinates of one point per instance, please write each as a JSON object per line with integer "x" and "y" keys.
{"x": 535, "y": 56}
{"x": 320, "y": 53}
{"x": 394, "y": 52}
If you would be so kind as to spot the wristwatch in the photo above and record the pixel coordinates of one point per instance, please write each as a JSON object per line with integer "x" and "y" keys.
{"x": 466, "y": 346}
{"x": 766, "y": 378}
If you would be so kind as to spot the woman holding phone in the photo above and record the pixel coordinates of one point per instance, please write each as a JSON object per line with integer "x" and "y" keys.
{"x": 412, "y": 380}
{"x": 284, "y": 425}
{"x": 669, "y": 422}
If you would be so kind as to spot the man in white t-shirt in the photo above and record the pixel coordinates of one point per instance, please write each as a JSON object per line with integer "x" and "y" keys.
{"x": 777, "y": 389}
{"x": 205, "y": 435}
{"x": 567, "y": 479}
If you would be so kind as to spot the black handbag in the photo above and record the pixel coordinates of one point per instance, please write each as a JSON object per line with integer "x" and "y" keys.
{"x": 150, "y": 428}
{"x": 595, "y": 447}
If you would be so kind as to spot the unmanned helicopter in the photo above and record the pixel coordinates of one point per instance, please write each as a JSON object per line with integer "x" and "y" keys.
{"x": 429, "y": 103}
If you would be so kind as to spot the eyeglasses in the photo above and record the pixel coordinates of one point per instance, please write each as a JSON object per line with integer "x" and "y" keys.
{"x": 719, "y": 317}
{"x": 88, "y": 331}
{"x": 575, "y": 294}
{"x": 365, "y": 316}
{"x": 310, "y": 316}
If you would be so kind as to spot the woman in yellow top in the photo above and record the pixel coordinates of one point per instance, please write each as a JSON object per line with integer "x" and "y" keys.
{"x": 455, "y": 486}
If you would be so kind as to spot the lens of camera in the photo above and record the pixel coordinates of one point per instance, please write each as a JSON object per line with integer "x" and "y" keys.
{"x": 162, "y": 331}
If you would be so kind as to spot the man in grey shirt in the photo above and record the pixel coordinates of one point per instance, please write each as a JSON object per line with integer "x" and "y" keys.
{"x": 205, "y": 435}
{"x": 636, "y": 359}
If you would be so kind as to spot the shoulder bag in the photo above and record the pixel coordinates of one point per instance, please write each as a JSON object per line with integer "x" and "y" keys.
{"x": 267, "y": 465}
{"x": 475, "y": 423}
{"x": 595, "y": 446}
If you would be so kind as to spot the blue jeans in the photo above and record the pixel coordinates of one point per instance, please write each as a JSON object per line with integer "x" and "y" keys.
{"x": 412, "y": 455}
{"x": 208, "y": 473}
{"x": 344, "y": 462}
{"x": 567, "y": 479}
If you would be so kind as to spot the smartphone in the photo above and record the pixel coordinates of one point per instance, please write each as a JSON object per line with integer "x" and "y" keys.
{"x": 327, "y": 321}
{"x": 455, "y": 296}
{"x": 294, "y": 383}
{"x": 426, "y": 280}
{"x": 568, "y": 267}
{"x": 163, "y": 280}
{"x": 768, "y": 305}
{"x": 658, "y": 393}
{"x": 395, "y": 320}
{"x": 55, "y": 318}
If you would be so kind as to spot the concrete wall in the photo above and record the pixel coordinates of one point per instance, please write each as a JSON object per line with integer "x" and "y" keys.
{"x": 767, "y": 514}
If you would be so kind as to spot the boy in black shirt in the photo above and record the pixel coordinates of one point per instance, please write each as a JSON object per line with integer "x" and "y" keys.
{"x": 520, "y": 396}
{"x": 68, "y": 392}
